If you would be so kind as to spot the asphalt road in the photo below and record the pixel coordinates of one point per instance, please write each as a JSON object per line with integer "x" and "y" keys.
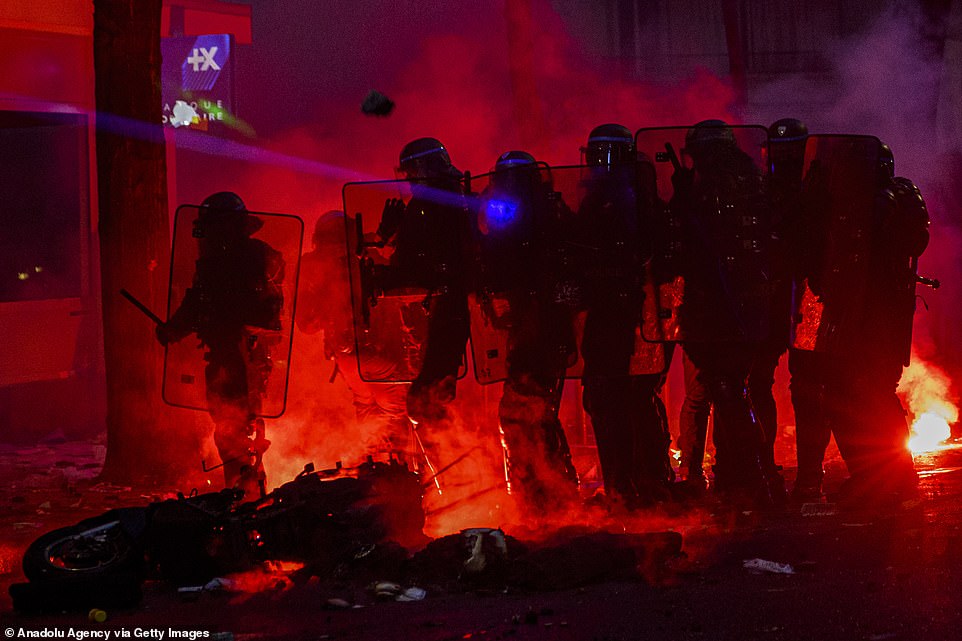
{"x": 873, "y": 578}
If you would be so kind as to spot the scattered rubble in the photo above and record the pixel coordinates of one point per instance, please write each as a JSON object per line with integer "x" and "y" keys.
{"x": 819, "y": 509}
{"x": 761, "y": 565}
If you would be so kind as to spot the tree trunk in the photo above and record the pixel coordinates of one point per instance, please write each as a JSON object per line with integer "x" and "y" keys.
{"x": 134, "y": 235}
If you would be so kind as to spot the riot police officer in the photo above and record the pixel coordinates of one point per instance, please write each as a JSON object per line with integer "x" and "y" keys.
{"x": 429, "y": 237}
{"x": 623, "y": 375}
{"x": 724, "y": 316}
{"x": 233, "y": 306}
{"x": 787, "y": 140}
{"x": 865, "y": 291}
{"x": 786, "y": 153}
{"x": 520, "y": 223}
{"x": 324, "y": 305}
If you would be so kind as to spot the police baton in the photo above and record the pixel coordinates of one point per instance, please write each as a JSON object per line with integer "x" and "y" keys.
{"x": 672, "y": 156}
{"x": 143, "y": 308}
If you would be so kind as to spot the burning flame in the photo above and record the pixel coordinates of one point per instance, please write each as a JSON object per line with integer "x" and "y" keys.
{"x": 928, "y": 431}
{"x": 925, "y": 389}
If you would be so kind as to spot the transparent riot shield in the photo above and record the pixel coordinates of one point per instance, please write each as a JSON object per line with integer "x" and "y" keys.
{"x": 838, "y": 205}
{"x": 523, "y": 312}
{"x": 614, "y": 240}
{"x": 406, "y": 251}
{"x": 231, "y": 301}
{"x": 324, "y": 296}
{"x": 712, "y": 239}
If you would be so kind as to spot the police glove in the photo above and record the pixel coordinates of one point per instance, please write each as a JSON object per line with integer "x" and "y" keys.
{"x": 682, "y": 179}
{"x": 391, "y": 218}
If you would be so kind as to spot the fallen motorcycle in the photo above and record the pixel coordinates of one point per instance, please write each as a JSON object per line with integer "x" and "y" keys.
{"x": 320, "y": 518}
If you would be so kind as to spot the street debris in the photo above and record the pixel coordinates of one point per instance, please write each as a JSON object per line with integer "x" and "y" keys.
{"x": 385, "y": 589}
{"x": 388, "y": 590}
{"x": 96, "y": 615}
{"x": 323, "y": 521}
{"x": 412, "y": 594}
{"x": 762, "y": 565}
{"x": 194, "y": 592}
{"x": 338, "y": 604}
{"x": 220, "y": 584}
{"x": 819, "y": 509}
{"x": 486, "y": 545}
{"x": 188, "y": 590}
{"x": 573, "y": 558}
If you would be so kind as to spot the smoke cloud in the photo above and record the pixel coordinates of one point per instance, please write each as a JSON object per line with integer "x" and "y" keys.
{"x": 886, "y": 82}
{"x": 453, "y": 77}
{"x": 456, "y": 79}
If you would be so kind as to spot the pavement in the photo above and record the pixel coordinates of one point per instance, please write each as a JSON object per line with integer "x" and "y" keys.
{"x": 805, "y": 572}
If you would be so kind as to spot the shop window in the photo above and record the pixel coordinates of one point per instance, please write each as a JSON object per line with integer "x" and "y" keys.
{"x": 43, "y": 204}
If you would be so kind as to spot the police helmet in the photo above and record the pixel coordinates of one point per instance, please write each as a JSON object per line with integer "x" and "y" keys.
{"x": 609, "y": 144}
{"x": 426, "y": 158}
{"x": 516, "y": 170}
{"x": 329, "y": 229}
{"x": 514, "y": 159}
{"x": 787, "y": 130}
{"x": 225, "y": 211}
{"x": 224, "y": 201}
{"x": 886, "y": 162}
{"x": 709, "y": 132}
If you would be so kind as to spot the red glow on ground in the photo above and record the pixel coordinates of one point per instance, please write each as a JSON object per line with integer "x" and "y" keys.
{"x": 268, "y": 577}
{"x": 471, "y": 107}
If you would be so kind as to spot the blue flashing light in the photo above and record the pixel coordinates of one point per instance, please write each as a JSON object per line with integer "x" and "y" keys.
{"x": 500, "y": 214}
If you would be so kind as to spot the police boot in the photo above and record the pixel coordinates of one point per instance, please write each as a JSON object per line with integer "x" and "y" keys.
{"x": 558, "y": 452}
{"x": 253, "y": 481}
{"x": 776, "y": 484}
{"x": 739, "y": 473}
{"x": 808, "y": 487}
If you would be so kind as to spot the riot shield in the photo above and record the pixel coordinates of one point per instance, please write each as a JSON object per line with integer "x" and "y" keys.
{"x": 230, "y": 307}
{"x": 838, "y": 205}
{"x": 399, "y": 260}
{"x": 711, "y": 226}
{"x": 522, "y": 312}
{"x": 615, "y": 205}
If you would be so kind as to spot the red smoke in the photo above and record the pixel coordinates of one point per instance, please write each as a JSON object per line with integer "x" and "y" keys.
{"x": 886, "y": 81}
{"x": 457, "y": 87}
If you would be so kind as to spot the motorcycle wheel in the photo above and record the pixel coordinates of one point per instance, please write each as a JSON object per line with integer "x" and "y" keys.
{"x": 93, "y": 548}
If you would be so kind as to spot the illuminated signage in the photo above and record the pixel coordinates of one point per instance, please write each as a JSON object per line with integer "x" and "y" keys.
{"x": 197, "y": 81}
